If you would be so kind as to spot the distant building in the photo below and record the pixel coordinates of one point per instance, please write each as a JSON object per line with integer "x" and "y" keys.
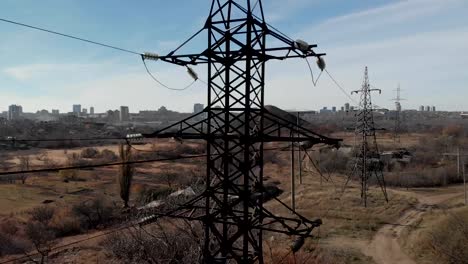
{"x": 55, "y": 112}
{"x": 333, "y": 108}
{"x": 77, "y": 109}
{"x": 14, "y": 112}
{"x": 342, "y": 109}
{"x": 84, "y": 111}
{"x": 433, "y": 108}
{"x": 124, "y": 114}
{"x": 346, "y": 107}
{"x": 197, "y": 108}
{"x": 421, "y": 108}
{"x": 428, "y": 108}
{"x": 113, "y": 116}
{"x": 91, "y": 110}
{"x": 324, "y": 110}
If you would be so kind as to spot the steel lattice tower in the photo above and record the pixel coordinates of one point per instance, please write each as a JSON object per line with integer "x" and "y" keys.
{"x": 398, "y": 115}
{"x": 235, "y": 125}
{"x": 368, "y": 163}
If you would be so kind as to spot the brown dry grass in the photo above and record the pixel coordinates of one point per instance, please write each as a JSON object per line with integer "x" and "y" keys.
{"x": 438, "y": 233}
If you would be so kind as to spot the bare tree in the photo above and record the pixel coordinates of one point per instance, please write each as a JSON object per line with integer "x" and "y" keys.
{"x": 125, "y": 173}
{"x": 24, "y": 166}
{"x": 41, "y": 237}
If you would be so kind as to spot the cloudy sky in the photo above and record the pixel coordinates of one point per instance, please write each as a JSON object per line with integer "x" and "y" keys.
{"x": 420, "y": 44}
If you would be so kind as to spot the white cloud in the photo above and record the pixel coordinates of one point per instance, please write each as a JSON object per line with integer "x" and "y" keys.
{"x": 420, "y": 44}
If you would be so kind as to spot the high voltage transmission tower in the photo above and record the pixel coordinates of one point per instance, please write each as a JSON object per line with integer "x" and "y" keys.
{"x": 368, "y": 163}
{"x": 235, "y": 125}
{"x": 398, "y": 115}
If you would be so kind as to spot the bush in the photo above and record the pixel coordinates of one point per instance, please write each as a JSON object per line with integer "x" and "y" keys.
{"x": 93, "y": 213}
{"x": 89, "y": 153}
{"x": 70, "y": 175}
{"x": 425, "y": 177}
{"x": 65, "y": 223}
{"x": 11, "y": 238}
{"x": 172, "y": 246}
{"x": 12, "y": 245}
{"x": 146, "y": 194}
{"x": 42, "y": 214}
{"x": 449, "y": 238}
{"x": 108, "y": 155}
{"x": 333, "y": 161}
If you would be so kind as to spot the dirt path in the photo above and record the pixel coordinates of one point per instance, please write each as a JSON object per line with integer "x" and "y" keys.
{"x": 384, "y": 247}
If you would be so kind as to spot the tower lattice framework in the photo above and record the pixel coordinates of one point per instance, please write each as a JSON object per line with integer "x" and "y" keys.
{"x": 235, "y": 125}
{"x": 368, "y": 163}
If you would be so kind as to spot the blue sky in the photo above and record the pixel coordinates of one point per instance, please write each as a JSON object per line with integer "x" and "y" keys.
{"x": 421, "y": 44}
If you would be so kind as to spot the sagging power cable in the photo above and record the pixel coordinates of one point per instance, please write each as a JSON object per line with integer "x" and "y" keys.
{"x": 164, "y": 85}
{"x": 314, "y": 82}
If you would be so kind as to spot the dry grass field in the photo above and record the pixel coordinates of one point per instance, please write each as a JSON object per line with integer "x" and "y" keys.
{"x": 350, "y": 233}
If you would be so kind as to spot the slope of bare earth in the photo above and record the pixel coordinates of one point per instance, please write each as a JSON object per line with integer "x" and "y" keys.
{"x": 385, "y": 246}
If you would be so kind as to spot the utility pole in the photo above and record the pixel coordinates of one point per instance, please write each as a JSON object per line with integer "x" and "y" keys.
{"x": 462, "y": 163}
{"x": 368, "y": 163}
{"x": 458, "y": 162}
{"x": 293, "y": 181}
{"x": 236, "y": 125}
{"x": 300, "y": 159}
{"x": 464, "y": 183}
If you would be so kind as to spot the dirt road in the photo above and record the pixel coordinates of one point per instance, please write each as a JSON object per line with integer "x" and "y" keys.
{"x": 384, "y": 247}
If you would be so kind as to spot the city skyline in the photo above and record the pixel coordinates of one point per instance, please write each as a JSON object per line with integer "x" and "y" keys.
{"x": 394, "y": 46}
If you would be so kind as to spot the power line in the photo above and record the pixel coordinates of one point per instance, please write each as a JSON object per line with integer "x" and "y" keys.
{"x": 100, "y": 165}
{"x": 312, "y": 73}
{"x": 70, "y": 244}
{"x": 61, "y": 139}
{"x": 341, "y": 88}
{"x": 162, "y": 84}
{"x": 69, "y": 36}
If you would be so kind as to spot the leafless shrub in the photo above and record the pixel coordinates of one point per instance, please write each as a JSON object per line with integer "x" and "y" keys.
{"x": 163, "y": 245}
{"x": 65, "y": 222}
{"x": 70, "y": 175}
{"x": 93, "y": 213}
{"x": 89, "y": 153}
{"x": 422, "y": 177}
{"x": 10, "y": 244}
{"x": 42, "y": 237}
{"x": 108, "y": 155}
{"x": 42, "y": 214}
{"x": 24, "y": 166}
{"x": 450, "y": 238}
{"x": 12, "y": 240}
{"x": 147, "y": 194}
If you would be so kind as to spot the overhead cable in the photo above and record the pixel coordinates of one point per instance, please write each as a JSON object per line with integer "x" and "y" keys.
{"x": 69, "y": 36}
{"x": 164, "y": 85}
{"x": 340, "y": 87}
{"x": 99, "y": 165}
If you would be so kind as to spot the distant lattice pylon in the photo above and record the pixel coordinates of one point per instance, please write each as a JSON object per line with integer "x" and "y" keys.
{"x": 368, "y": 163}
{"x": 398, "y": 115}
